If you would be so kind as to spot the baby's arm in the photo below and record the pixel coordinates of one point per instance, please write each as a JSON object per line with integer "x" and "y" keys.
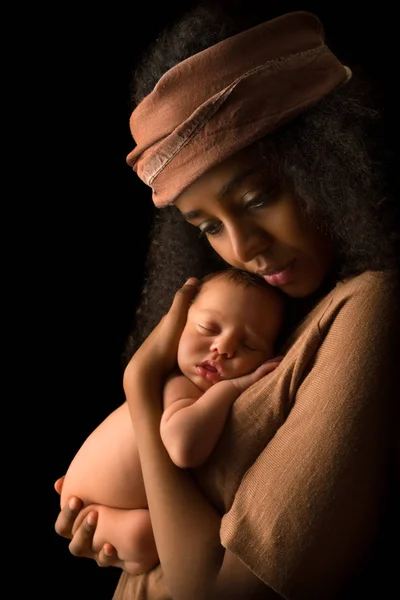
{"x": 193, "y": 421}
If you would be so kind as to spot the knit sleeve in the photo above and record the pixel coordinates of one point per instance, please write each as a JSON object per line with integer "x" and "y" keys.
{"x": 307, "y": 512}
{"x": 148, "y": 586}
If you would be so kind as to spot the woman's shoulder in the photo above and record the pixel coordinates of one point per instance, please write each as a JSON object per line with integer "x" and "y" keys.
{"x": 365, "y": 301}
{"x": 376, "y": 283}
{"x": 370, "y": 297}
{"x": 372, "y": 292}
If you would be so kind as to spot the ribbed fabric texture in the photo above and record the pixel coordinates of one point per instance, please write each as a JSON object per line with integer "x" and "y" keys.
{"x": 300, "y": 473}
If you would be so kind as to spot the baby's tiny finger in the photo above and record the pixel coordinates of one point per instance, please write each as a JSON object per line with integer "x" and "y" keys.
{"x": 275, "y": 359}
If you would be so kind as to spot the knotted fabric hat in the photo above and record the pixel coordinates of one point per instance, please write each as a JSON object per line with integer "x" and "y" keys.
{"x": 222, "y": 99}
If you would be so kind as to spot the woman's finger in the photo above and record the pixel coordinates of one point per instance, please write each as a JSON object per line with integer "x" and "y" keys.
{"x": 182, "y": 300}
{"x": 157, "y": 355}
{"x": 67, "y": 516}
{"x": 81, "y": 543}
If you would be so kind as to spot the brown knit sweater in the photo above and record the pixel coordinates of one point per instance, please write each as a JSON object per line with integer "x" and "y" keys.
{"x": 300, "y": 475}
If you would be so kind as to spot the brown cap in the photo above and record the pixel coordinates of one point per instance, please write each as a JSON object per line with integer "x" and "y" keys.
{"x": 226, "y": 97}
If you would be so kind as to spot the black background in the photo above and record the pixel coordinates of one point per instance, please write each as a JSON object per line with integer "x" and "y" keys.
{"x": 87, "y": 222}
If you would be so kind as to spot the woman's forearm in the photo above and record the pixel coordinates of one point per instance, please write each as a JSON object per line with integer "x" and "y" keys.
{"x": 186, "y": 527}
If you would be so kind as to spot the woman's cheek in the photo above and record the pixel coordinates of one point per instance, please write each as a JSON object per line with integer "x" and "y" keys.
{"x": 224, "y": 253}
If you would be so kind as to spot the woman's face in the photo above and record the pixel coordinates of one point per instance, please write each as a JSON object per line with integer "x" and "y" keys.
{"x": 253, "y": 223}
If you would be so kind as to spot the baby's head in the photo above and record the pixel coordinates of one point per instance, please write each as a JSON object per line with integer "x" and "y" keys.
{"x": 232, "y": 327}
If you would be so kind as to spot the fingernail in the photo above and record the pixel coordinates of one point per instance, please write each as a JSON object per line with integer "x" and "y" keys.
{"x": 73, "y": 504}
{"x": 91, "y": 519}
{"x": 107, "y": 551}
{"x": 192, "y": 281}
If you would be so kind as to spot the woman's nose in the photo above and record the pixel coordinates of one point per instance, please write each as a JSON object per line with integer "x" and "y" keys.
{"x": 248, "y": 241}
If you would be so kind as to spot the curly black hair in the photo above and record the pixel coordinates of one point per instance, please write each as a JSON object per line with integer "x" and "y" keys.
{"x": 332, "y": 157}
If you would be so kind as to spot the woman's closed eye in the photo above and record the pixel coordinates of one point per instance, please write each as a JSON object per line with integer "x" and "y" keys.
{"x": 260, "y": 200}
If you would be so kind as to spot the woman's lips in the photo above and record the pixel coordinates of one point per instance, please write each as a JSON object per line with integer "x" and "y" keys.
{"x": 208, "y": 371}
{"x": 281, "y": 277}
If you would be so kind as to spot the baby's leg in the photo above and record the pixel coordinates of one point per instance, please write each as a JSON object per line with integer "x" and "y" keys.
{"x": 129, "y": 531}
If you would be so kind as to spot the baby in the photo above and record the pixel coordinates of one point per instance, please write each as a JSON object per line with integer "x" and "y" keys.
{"x": 227, "y": 344}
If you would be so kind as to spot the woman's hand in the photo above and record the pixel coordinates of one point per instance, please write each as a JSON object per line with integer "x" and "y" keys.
{"x": 156, "y": 357}
{"x": 81, "y": 536}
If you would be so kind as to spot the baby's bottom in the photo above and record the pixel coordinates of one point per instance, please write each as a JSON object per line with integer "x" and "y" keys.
{"x": 129, "y": 531}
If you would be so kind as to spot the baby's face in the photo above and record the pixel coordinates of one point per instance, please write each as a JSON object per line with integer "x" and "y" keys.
{"x": 230, "y": 331}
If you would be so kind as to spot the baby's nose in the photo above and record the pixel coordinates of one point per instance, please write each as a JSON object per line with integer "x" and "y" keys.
{"x": 224, "y": 346}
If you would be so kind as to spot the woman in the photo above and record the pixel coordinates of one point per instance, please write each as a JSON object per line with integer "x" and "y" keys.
{"x": 261, "y": 144}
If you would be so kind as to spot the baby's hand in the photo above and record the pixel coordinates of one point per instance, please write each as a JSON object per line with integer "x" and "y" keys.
{"x": 245, "y": 381}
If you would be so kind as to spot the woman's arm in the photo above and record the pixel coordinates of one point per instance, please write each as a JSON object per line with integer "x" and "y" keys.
{"x": 186, "y": 527}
